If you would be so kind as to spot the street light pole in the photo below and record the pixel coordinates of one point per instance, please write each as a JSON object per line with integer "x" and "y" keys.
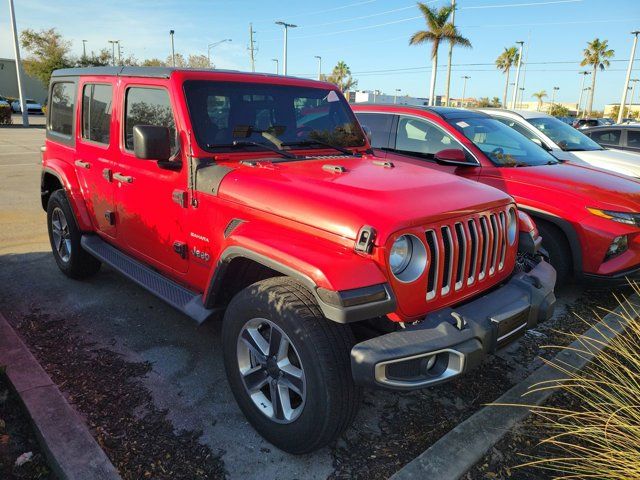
{"x": 515, "y": 90}
{"x": 84, "y": 48}
{"x": 113, "y": 51}
{"x": 584, "y": 76}
{"x": 319, "y": 66}
{"x": 553, "y": 95}
{"x": 119, "y": 53}
{"x": 623, "y": 101}
{"x": 286, "y": 26}
{"x": 173, "y": 51}
{"x": 395, "y": 97}
{"x": 464, "y": 89}
{"x": 212, "y": 45}
{"x": 633, "y": 92}
{"x": 16, "y": 51}
{"x": 276, "y": 60}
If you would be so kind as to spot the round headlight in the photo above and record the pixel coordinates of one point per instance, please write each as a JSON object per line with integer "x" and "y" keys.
{"x": 512, "y": 225}
{"x": 407, "y": 258}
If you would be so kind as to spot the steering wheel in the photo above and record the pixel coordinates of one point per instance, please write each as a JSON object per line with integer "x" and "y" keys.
{"x": 497, "y": 151}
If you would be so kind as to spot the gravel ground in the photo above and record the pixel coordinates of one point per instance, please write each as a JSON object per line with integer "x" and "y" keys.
{"x": 20, "y": 454}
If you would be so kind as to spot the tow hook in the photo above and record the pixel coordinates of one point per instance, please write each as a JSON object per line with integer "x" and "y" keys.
{"x": 461, "y": 323}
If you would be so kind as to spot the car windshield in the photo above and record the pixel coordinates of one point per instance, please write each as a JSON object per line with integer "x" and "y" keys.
{"x": 501, "y": 144}
{"x": 272, "y": 115}
{"x": 567, "y": 138}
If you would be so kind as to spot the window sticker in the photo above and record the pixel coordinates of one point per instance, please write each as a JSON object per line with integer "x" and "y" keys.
{"x": 332, "y": 97}
{"x": 462, "y": 124}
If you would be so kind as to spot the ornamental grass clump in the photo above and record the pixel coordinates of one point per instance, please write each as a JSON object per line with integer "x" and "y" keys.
{"x": 598, "y": 435}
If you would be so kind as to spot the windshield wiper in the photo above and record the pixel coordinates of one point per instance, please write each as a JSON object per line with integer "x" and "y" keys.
{"x": 304, "y": 143}
{"x": 248, "y": 143}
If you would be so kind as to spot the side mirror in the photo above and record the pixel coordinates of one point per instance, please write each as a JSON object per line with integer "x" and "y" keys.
{"x": 452, "y": 156}
{"x": 151, "y": 142}
{"x": 367, "y": 131}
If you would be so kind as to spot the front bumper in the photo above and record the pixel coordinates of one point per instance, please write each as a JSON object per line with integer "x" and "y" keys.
{"x": 452, "y": 341}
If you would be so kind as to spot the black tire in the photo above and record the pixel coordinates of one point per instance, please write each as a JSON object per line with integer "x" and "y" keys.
{"x": 323, "y": 347}
{"x": 71, "y": 258}
{"x": 556, "y": 244}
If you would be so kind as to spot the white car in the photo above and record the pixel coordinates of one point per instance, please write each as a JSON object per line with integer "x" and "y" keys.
{"x": 32, "y": 106}
{"x": 565, "y": 142}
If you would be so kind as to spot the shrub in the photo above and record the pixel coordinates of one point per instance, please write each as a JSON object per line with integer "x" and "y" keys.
{"x": 5, "y": 115}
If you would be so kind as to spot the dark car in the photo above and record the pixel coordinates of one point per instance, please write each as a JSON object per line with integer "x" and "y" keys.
{"x": 591, "y": 122}
{"x": 619, "y": 137}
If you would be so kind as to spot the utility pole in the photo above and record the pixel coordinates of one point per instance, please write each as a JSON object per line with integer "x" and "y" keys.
{"x": 173, "y": 51}
{"x": 319, "y": 66}
{"x": 515, "y": 90}
{"x": 84, "y": 48}
{"x": 276, "y": 60}
{"x": 584, "y": 76}
{"x": 553, "y": 95}
{"x": 395, "y": 97}
{"x": 453, "y": 22}
{"x": 252, "y": 53}
{"x": 286, "y": 26}
{"x": 623, "y": 101}
{"x": 633, "y": 92}
{"x": 119, "y": 53}
{"x": 113, "y": 51}
{"x": 16, "y": 51}
{"x": 464, "y": 89}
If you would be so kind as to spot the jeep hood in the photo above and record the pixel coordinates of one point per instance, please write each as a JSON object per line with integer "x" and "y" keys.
{"x": 584, "y": 185}
{"x": 627, "y": 163}
{"x": 386, "y": 198}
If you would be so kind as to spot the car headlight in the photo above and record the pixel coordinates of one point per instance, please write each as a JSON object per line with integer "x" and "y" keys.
{"x": 620, "y": 217}
{"x": 408, "y": 258}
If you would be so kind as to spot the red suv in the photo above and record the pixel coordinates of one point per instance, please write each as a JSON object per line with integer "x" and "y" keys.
{"x": 589, "y": 219}
{"x": 257, "y": 196}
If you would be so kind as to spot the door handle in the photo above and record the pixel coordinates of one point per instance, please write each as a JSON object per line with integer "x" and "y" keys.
{"x": 122, "y": 178}
{"x": 83, "y": 164}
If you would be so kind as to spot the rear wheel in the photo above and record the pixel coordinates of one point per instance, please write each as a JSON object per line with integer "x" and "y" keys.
{"x": 65, "y": 236}
{"x": 288, "y": 366}
{"x": 556, "y": 244}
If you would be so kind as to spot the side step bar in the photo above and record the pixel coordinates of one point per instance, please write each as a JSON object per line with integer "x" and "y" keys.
{"x": 188, "y": 302}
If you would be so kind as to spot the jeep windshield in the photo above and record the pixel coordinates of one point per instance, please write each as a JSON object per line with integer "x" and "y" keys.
{"x": 566, "y": 137}
{"x": 501, "y": 144}
{"x": 257, "y": 117}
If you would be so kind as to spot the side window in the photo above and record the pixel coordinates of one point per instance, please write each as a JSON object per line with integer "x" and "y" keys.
{"x": 518, "y": 128}
{"x": 147, "y": 106}
{"x": 607, "y": 137}
{"x": 418, "y": 136}
{"x": 96, "y": 112}
{"x": 380, "y": 126}
{"x": 633, "y": 138}
{"x": 63, "y": 99}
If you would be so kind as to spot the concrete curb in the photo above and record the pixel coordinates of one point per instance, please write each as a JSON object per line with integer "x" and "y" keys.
{"x": 460, "y": 449}
{"x": 71, "y": 451}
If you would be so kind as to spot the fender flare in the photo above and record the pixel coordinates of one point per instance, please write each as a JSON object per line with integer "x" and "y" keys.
{"x": 566, "y": 228}
{"x": 340, "y": 306}
{"x": 72, "y": 189}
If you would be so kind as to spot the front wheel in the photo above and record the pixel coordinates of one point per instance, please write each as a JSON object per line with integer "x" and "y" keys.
{"x": 288, "y": 366}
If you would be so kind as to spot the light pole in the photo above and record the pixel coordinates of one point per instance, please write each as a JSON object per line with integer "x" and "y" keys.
{"x": 584, "y": 76}
{"x": 586, "y": 89}
{"x": 119, "y": 53}
{"x": 84, "y": 48}
{"x": 633, "y": 92}
{"x": 395, "y": 97}
{"x": 113, "y": 51}
{"x": 515, "y": 90}
{"x": 286, "y": 26}
{"x": 464, "y": 89}
{"x": 623, "y": 102}
{"x": 276, "y": 60}
{"x": 16, "y": 51}
{"x": 173, "y": 51}
{"x": 212, "y": 45}
{"x": 553, "y": 95}
{"x": 319, "y": 66}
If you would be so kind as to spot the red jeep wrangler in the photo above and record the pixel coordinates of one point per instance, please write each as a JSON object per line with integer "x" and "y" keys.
{"x": 258, "y": 196}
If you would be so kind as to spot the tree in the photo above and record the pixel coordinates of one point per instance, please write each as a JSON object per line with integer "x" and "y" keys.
{"x": 439, "y": 29}
{"x": 597, "y": 55}
{"x": 484, "y": 102}
{"x": 504, "y": 62}
{"x": 558, "y": 110}
{"x": 627, "y": 112}
{"x": 154, "y": 62}
{"x": 48, "y": 51}
{"x": 540, "y": 95}
{"x": 101, "y": 59}
{"x": 198, "y": 61}
{"x": 341, "y": 77}
{"x": 180, "y": 61}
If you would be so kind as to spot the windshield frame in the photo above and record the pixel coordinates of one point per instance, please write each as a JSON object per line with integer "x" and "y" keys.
{"x": 261, "y": 88}
{"x": 563, "y": 127}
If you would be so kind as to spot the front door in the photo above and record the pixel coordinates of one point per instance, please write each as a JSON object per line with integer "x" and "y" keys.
{"x": 95, "y": 148}
{"x": 151, "y": 213}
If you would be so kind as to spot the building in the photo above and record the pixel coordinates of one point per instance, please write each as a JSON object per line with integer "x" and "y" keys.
{"x": 571, "y": 106}
{"x": 634, "y": 109}
{"x": 33, "y": 88}
{"x": 376, "y": 96}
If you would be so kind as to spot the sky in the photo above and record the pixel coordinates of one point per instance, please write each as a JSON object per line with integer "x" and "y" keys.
{"x": 371, "y": 36}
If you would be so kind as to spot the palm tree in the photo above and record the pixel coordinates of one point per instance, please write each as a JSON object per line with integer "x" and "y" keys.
{"x": 540, "y": 95}
{"x": 341, "y": 76}
{"x": 597, "y": 54}
{"x": 504, "y": 62}
{"x": 439, "y": 29}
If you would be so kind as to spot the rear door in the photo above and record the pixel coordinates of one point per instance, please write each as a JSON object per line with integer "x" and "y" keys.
{"x": 607, "y": 137}
{"x": 95, "y": 148}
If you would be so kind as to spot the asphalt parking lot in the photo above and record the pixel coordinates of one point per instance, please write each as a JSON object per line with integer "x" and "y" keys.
{"x": 187, "y": 377}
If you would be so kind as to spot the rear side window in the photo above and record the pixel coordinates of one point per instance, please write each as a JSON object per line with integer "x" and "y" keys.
{"x": 148, "y": 106}
{"x": 417, "y": 136}
{"x": 63, "y": 99}
{"x": 633, "y": 138}
{"x": 380, "y": 127}
{"x": 606, "y": 137}
{"x": 96, "y": 112}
